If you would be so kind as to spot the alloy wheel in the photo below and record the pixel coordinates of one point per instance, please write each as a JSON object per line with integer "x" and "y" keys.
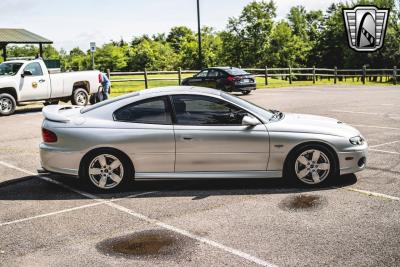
{"x": 312, "y": 166}
{"x": 106, "y": 171}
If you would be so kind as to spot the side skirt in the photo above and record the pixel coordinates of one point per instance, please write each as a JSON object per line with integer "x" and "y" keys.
{"x": 207, "y": 175}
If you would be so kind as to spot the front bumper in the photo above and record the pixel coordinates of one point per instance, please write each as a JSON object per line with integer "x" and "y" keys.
{"x": 353, "y": 161}
{"x": 59, "y": 161}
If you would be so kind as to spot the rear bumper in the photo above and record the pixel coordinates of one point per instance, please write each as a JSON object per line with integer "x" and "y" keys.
{"x": 352, "y": 161}
{"x": 244, "y": 87}
{"x": 63, "y": 162}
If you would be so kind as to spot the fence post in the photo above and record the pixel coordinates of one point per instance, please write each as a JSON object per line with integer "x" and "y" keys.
{"x": 108, "y": 73}
{"x": 335, "y": 75}
{"x": 313, "y": 74}
{"x": 146, "y": 85}
{"x": 364, "y": 73}
{"x": 394, "y": 75}
{"x": 179, "y": 76}
{"x": 290, "y": 75}
{"x": 266, "y": 75}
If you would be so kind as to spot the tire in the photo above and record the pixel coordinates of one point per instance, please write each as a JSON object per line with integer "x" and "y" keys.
{"x": 80, "y": 97}
{"x": 106, "y": 170}
{"x": 7, "y": 104}
{"x": 246, "y": 92}
{"x": 311, "y": 165}
{"x": 92, "y": 99}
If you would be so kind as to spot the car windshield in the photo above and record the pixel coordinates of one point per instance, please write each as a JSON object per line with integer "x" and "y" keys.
{"x": 236, "y": 71}
{"x": 267, "y": 114}
{"x": 9, "y": 68}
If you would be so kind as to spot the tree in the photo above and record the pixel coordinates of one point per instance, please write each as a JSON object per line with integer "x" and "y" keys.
{"x": 110, "y": 57}
{"x": 246, "y": 39}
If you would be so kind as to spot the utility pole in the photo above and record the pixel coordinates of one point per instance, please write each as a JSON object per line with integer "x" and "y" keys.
{"x": 199, "y": 35}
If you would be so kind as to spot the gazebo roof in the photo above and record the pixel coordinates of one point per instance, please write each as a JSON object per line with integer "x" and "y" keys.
{"x": 21, "y": 36}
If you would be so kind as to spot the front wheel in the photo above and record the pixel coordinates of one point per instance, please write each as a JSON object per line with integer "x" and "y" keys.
{"x": 312, "y": 165}
{"x": 80, "y": 97}
{"x": 105, "y": 170}
{"x": 7, "y": 104}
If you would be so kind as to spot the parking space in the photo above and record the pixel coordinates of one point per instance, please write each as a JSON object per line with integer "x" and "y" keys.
{"x": 354, "y": 221}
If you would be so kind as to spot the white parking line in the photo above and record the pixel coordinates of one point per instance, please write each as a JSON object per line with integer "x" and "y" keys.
{"x": 73, "y": 209}
{"x": 374, "y": 126}
{"x": 388, "y": 143}
{"x": 384, "y": 151}
{"x": 369, "y": 193}
{"x": 140, "y": 216}
{"x": 356, "y": 112}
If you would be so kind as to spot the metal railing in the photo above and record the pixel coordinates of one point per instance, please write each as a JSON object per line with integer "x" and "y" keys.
{"x": 290, "y": 74}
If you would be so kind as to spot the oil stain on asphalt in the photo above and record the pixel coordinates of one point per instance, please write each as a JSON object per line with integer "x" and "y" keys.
{"x": 160, "y": 244}
{"x": 302, "y": 202}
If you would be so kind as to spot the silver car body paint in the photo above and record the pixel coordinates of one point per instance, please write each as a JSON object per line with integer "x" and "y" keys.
{"x": 191, "y": 152}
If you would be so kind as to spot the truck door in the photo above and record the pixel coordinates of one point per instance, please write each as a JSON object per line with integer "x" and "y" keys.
{"x": 34, "y": 83}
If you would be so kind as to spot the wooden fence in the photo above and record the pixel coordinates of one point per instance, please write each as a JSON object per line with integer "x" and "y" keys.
{"x": 289, "y": 74}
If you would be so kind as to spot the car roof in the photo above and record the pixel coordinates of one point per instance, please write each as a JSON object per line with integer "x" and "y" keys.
{"x": 181, "y": 90}
{"x": 156, "y": 91}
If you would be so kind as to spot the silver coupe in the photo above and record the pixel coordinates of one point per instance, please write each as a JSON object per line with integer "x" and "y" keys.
{"x": 194, "y": 133}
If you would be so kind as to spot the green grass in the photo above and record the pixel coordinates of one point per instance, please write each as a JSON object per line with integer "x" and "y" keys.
{"x": 119, "y": 88}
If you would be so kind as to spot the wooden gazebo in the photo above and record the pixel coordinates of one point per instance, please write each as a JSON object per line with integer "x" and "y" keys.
{"x": 20, "y": 36}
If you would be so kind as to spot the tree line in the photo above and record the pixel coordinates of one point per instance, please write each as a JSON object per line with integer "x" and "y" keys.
{"x": 256, "y": 38}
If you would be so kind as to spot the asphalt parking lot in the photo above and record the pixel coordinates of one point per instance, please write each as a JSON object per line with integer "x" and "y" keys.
{"x": 355, "y": 221}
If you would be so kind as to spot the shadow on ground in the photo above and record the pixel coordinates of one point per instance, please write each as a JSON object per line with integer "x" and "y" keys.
{"x": 34, "y": 188}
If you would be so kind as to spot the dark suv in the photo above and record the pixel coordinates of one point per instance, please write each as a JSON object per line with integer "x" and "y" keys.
{"x": 223, "y": 78}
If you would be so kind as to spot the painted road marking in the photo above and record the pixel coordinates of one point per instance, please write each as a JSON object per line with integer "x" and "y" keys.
{"x": 140, "y": 216}
{"x": 384, "y": 151}
{"x": 369, "y": 193}
{"x": 374, "y": 126}
{"x": 72, "y": 209}
{"x": 388, "y": 143}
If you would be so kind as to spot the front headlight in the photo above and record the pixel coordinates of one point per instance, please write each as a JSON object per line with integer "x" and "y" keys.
{"x": 357, "y": 140}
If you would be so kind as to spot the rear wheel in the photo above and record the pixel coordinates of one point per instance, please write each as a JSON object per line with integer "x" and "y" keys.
{"x": 80, "y": 97}
{"x": 246, "y": 92}
{"x": 105, "y": 170}
{"x": 7, "y": 104}
{"x": 312, "y": 165}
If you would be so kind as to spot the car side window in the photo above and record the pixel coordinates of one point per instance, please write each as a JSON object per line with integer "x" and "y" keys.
{"x": 205, "y": 110}
{"x": 34, "y": 68}
{"x": 202, "y": 74}
{"x": 149, "y": 111}
{"x": 213, "y": 74}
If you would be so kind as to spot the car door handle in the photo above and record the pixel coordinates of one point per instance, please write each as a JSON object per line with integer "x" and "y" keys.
{"x": 42, "y": 80}
{"x": 187, "y": 138}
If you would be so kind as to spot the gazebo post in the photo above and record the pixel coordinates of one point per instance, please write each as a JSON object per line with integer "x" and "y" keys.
{"x": 41, "y": 50}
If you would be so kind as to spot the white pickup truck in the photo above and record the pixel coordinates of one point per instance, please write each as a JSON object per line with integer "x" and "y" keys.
{"x": 29, "y": 80}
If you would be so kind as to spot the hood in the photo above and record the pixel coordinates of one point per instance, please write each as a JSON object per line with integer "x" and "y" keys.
{"x": 304, "y": 123}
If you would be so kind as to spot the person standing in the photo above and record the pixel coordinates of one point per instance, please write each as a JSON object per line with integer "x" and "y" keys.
{"x": 106, "y": 84}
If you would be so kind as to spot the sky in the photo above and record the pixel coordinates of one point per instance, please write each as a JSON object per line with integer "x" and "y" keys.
{"x": 75, "y": 23}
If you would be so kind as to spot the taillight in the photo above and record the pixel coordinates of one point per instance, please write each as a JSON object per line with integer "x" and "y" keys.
{"x": 48, "y": 136}
{"x": 233, "y": 78}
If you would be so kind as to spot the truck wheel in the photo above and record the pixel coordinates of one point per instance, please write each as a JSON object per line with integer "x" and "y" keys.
{"x": 80, "y": 97}
{"x": 7, "y": 104}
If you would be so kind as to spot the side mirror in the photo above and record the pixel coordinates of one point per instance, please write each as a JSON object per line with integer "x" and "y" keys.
{"x": 26, "y": 73}
{"x": 250, "y": 121}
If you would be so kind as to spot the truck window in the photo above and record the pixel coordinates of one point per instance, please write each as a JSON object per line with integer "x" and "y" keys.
{"x": 9, "y": 68}
{"x": 34, "y": 68}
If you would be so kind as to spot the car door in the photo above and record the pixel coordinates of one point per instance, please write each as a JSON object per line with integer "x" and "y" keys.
{"x": 199, "y": 79}
{"x": 34, "y": 84}
{"x": 144, "y": 130}
{"x": 210, "y": 136}
{"x": 213, "y": 77}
